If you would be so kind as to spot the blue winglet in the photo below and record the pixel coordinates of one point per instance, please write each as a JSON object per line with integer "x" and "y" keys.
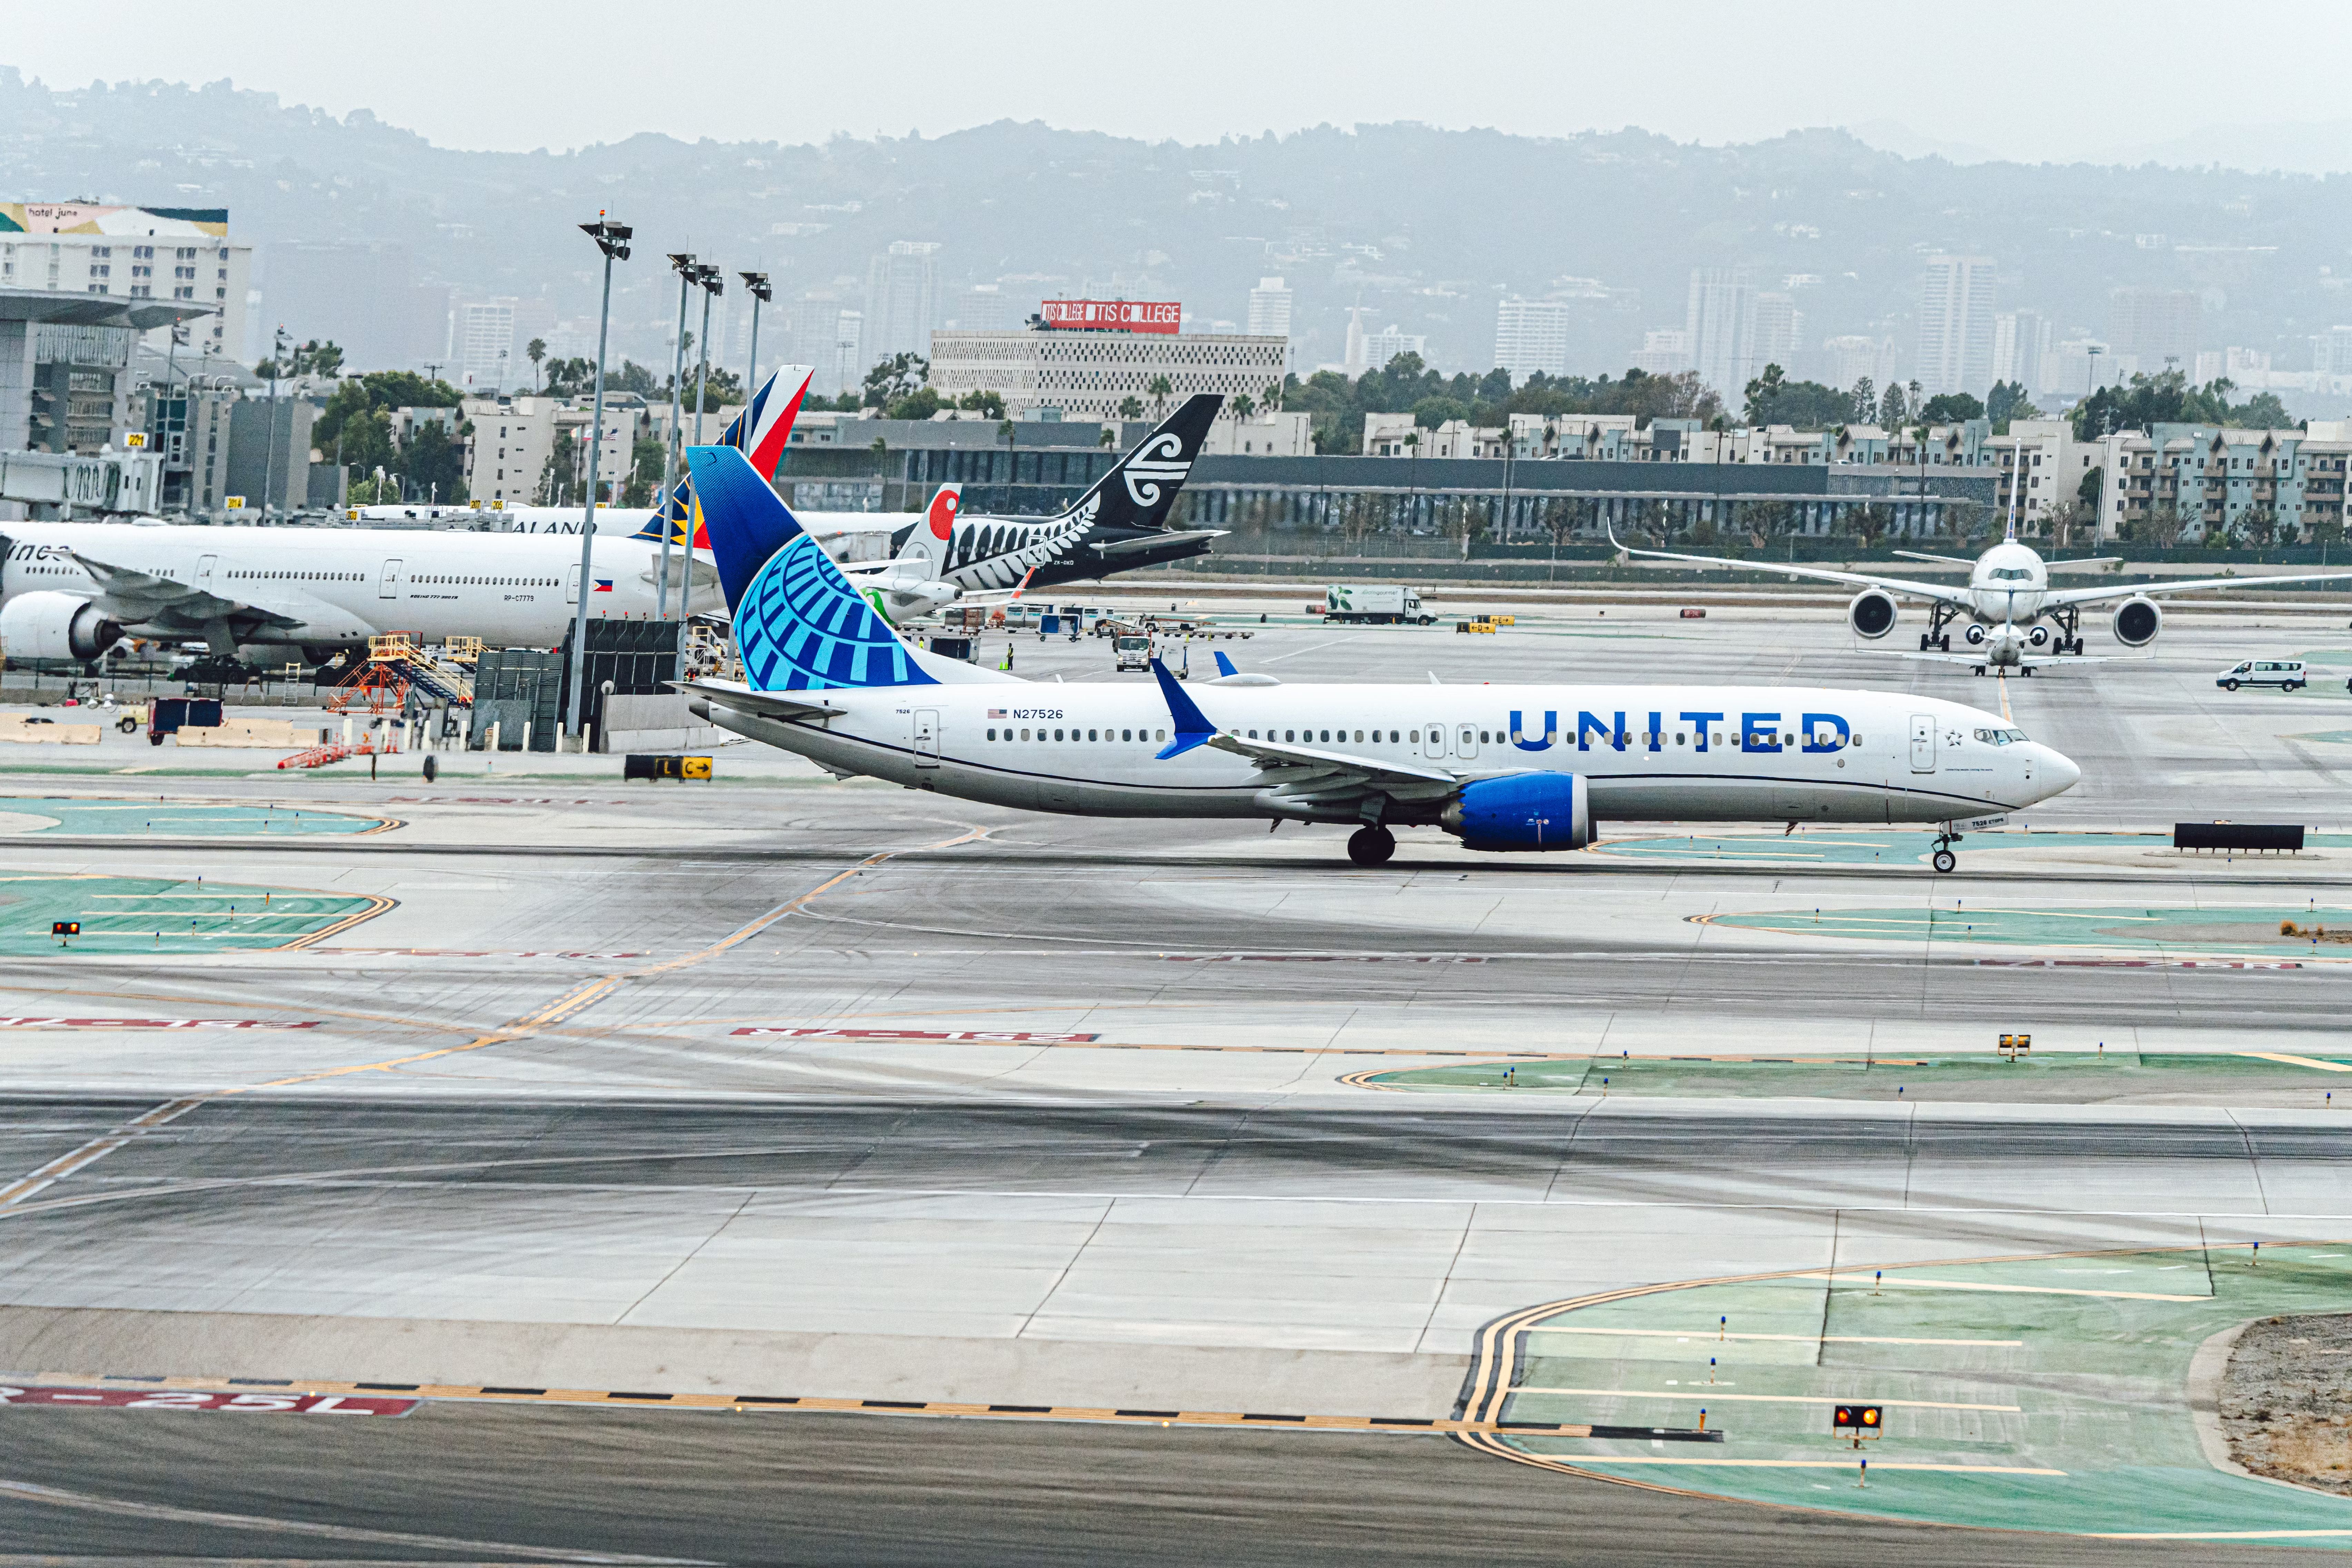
{"x": 1192, "y": 726}
{"x": 1225, "y": 666}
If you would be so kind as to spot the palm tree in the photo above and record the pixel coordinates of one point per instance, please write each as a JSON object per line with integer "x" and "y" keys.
{"x": 1161, "y": 389}
{"x": 1131, "y": 407}
{"x": 535, "y": 352}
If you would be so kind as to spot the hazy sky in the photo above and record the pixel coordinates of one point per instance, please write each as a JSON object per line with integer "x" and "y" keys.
{"x": 2032, "y": 81}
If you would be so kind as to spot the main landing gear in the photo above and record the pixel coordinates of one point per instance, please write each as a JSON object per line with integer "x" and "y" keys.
{"x": 1371, "y": 845}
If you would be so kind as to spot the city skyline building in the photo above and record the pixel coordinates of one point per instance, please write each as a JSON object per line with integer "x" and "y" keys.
{"x": 902, "y": 300}
{"x": 1956, "y": 326}
{"x": 1720, "y": 324}
{"x": 1531, "y": 336}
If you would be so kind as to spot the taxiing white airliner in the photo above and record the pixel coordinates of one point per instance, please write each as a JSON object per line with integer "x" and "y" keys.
{"x": 72, "y": 590}
{"x": 2006, "y": 597}
{"x": 1500, "y": 767}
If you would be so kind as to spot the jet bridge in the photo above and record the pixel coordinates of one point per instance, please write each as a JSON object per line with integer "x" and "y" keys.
{"x": 64, "y": 485}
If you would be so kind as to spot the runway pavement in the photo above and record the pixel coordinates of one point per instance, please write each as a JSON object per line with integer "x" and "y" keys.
{"x": 792, "y": 1088}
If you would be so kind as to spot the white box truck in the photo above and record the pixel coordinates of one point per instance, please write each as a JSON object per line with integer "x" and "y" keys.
{"x": 1375, "y": 604}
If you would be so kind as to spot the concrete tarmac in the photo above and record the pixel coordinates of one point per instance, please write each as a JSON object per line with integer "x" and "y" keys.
{"x": 790, "y": 1086}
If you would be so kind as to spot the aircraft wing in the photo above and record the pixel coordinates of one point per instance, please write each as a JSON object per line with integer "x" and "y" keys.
{"x": 764, "y": 704}
{"x": 2030, "y": 661}
{"x": 1145, "y": 543}
{"x": 2152, "y": 590}
{"x": 1940, "y": 592}
{"x": 139, "y": 598}
{"x": 1332, "y": 778}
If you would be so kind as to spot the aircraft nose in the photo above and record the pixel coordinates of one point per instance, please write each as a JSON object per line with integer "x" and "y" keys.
{"x": 2059, "y": 772}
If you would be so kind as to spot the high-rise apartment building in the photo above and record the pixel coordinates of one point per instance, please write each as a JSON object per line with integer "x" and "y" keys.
{"x": 482, "y": 348}
{"x": 2154, "y": 327}
{"x": 1391, "y": 341}
{"x": 1721, "y": 324}
{"x": 1665, "y": 351}
{"x": 983, "y": 307}
{"x": 1850, "y": 358}
{"x": 1773, "y": 340}
{"x": 1956, "y": 325}
{"x": 2020, "y": 339}
{"x": 902, "y": 300}
{"x": 1269, "y": 309}
{"x": 1531, "y": 335}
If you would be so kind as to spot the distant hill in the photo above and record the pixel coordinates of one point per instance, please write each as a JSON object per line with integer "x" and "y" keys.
{"x": 1427, "y": 228}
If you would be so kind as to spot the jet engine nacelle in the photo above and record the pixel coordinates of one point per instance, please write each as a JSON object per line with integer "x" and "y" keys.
{"x": 1523, "y": 811}
{"x": 2038, "y": 637}
{"x": 1976, "y": 634}
{"x": 55, "y": 625}
{"x": 2138, "y": 621}
{"x": 1872, "y": 613}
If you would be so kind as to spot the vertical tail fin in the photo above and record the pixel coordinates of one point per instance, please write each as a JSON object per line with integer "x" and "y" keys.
{"x": 760, "y": 431}
{"x": 1141, "y": 488}
{"x": 799, "y": 625}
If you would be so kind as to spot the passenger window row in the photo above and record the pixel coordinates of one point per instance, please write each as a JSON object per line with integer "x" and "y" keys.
{"x": 1095, "y": 735}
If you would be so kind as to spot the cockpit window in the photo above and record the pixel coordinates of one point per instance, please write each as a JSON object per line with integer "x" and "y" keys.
{"x": 2012, "y": 574}
{"x": 2000, "y": 737}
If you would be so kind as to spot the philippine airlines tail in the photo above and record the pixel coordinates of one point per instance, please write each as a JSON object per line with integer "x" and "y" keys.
{"x": 759, "y": 432}
{"x": 799, "y": 625}
{"x": 1141, "y": 488}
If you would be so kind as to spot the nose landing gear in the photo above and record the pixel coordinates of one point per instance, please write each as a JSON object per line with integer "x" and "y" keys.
{"x": 1371, "y": 845}
{"x": 1944, "y": 860}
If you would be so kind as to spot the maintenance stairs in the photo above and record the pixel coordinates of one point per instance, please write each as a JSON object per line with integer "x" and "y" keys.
{"x": 398, "y": 663}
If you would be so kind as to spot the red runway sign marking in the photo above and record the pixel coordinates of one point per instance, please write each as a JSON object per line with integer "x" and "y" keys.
{"x": 283, "y": 1401}
{"x": 156, "y": 1024}
{"x": 991, "y": 1035}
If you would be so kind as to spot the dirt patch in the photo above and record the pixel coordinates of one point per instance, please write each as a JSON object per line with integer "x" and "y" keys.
{"x": 2286, "y": 1400}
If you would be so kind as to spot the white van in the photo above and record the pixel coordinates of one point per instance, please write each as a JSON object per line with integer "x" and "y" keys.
{"x": 2286, "y": 674}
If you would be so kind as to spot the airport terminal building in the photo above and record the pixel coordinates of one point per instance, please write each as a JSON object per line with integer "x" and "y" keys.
{"x": 1084, "y": 358}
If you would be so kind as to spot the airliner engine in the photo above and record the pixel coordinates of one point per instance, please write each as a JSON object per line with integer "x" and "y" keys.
{"x": 2137, "y": 620}
{"x": 55, "y": 625}
{"x": 1872, "y": 613}
{"x": 1523, "y": 811}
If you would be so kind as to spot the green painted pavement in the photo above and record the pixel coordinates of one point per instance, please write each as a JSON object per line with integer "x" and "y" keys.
{"x": 1863, "y": 846}
{"x": 179, "y": 818}
{"x": 2069, "y": 1077}
{"x": 2135, "y": 928}
{"x": 2097, "y": 1380}
{"x": 154, "y": 914}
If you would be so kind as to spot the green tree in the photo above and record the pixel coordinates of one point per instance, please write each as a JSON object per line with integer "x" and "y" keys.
{"x": 1951, "y": 408}
{"x": 894, "y": 378}
{"x": 434, "y": 462}
{"x": 644, "y": 472}
{"x": 1243, "y": 405}
{"x": 1131, "y": 407}
{"x": 1805, "y": 404}
{"x": 2008, "y": 401}
{"x": 988, "y": 404}
{"x": 920, "y": 404}
{"x": 1161, "y": 390}
{"x": 535, "y": 352}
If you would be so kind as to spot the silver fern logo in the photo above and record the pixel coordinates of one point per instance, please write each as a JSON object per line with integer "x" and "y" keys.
{"x": 1160, "y": 461}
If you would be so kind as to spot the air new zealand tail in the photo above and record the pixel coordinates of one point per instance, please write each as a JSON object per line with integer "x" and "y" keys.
{"x": 1120, "y": 523}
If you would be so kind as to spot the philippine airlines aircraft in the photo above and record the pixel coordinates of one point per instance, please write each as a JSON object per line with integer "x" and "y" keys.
{"x": 2005, "y": 603}
{"x": 72, "y": 590}
{"x": 1500, "y": 767}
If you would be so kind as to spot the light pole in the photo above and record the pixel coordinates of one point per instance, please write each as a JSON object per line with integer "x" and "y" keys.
{"x": 683, "y": 264}
{"x": 756, "y": 285}
{"x": 276, "y": 355}
{"x": 714, "y": 284}
{"x": 612, "y": 240}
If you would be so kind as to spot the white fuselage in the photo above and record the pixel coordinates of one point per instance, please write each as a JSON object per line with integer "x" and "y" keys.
{"x": 2007, "y": 585}
{"x": 339, "y": 585}
{"x": 1687, "y": 753}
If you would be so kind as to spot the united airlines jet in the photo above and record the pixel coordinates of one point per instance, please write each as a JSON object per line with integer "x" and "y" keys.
{"x": 1499, "y": 767}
